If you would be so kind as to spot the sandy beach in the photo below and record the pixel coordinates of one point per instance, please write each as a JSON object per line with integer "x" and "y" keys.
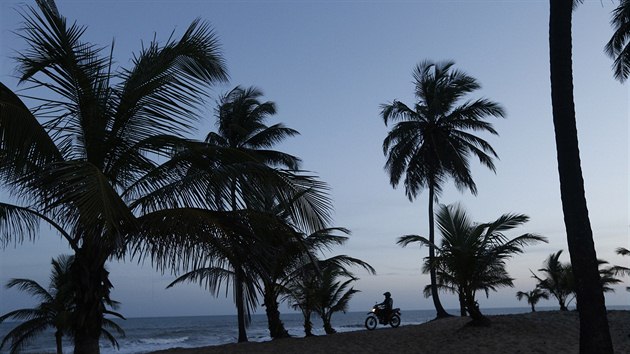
{"x": 539, "y": 332}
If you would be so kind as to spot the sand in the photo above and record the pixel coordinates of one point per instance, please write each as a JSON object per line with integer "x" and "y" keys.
{"x": 539, "y": 332}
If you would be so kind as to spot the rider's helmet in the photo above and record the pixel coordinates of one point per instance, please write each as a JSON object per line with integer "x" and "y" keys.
{"x": 387, "y": 294}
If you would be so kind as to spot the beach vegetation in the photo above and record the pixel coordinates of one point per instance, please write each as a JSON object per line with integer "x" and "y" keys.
{"x": 81, "y": 157}
{"x": 433, "y": 140}
{"x": 473, "y": 256}
{"x": 322, "y": 286}
{"x": 618, "y": 48}
{"x": 55, "y": 310}
{"x": 532, "y": 296}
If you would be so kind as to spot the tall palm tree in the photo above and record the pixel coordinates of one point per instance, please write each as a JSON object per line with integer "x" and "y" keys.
{"x": 475, "y": 255}
{"x": 80, "y": 157}
{"x": 618, "y": 48}
{"x": 433, "y": 141}
{"x": 594, "y": 330}
{"x": 55, "y": 310}
{"x": 240, "y": 120}
{"x": 533, "y": 297}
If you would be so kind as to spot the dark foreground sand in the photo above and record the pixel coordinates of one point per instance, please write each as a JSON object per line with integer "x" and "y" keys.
{"x": 539, "y": 332}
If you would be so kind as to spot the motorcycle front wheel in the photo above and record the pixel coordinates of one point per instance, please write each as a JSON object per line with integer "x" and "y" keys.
{"x": 394, "y": 321}
{"x": 371, "y": 322}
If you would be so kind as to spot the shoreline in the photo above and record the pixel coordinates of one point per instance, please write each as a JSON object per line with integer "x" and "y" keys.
{"x": 537, "y": 332}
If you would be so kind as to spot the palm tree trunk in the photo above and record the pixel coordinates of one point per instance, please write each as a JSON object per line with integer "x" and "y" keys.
{"x": 58, "y": 341}
{"x": 308, "y": 325}
{"x": 240, "y": 305}
{"x": 594, "y": 331}
{"x": 276, "y": 327}
{"x": 533, "y": 308}
{"x": 92, "y": 282}
{"x": 462, "y": 303}
{"x": 478, "y": 319}
{"x": 441, "y": 313}
{"x": 327, "y": 326}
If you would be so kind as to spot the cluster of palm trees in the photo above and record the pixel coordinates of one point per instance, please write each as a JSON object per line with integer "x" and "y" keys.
{"x": 472, "y": 256}
{"x": 104, "y": 158}
{"x": 558, "y": 280}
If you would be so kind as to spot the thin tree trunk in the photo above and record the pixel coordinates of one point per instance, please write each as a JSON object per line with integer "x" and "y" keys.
{"x": 276, "y": 327}
{"x": 533, "y": 308}
{"x": 240, "y": 306}
{"x": 478, "y": 319}
{"x": 308, "y": 325}
{"x": 327, "y": 326}
{"x": 594, "y": 331}
{"x": 441, "y": 313}
{"x": 59, "y": 341}
{"x": 462, "y": 303}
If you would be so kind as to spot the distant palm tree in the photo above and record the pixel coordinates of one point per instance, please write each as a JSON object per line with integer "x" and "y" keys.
{"x": 475, "y": 255}
{"x": 618, "y": 47}
{"x": 333, "y": 295}
{"x": 433, "y": 140}
{"x": 55, "y": 310}
{"x": 558, "y": 280}
{"x": 623, "y": 270}
{"x": 533, "y": 296}
{"x": 594, "y": 330}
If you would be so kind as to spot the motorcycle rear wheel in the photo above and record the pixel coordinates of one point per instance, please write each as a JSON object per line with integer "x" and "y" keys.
{"x": 371, "y": 322}
{"x": 394, "y": 321}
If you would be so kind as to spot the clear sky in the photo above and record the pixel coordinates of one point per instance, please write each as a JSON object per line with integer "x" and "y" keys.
{"x": 328, "y": 65}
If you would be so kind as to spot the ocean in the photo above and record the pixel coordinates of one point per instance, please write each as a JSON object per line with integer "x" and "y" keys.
{"x": 155, "y": 333}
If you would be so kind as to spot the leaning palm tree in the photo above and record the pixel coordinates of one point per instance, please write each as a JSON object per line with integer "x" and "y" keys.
{"x": 80, "y": 158}
{"x": 618, "y": 48}
{"x": 532, "y": 297}
{"x": 594, "y": 330}
{"x": 55, "y": 310}
{"x": 475, "y": 255}
{"x": 433, "y": 140}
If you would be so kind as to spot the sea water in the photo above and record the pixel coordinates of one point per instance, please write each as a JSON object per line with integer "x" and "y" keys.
{"x": 155, "y": 333}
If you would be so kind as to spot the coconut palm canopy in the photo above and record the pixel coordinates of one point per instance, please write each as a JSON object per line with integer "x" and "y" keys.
{"x": 327, "y": 82}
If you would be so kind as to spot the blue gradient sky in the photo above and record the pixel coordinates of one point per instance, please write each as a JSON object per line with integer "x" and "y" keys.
{"x": 328, "y": 65}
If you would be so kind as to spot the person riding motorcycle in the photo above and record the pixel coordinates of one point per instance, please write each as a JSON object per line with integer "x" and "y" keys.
{"x": 385, "y": 307}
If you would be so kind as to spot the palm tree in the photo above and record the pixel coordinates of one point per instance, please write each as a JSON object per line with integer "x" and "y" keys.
{"x": 558, "y": 279}
{"x": 314, "y": 288}
{"x": 533, "y": 297}
{"x": 594, "y": 331}
{"x": 433, "y": 140}
{"x": 622, "y": 270}
{"x": 80, "y": 157}
{"x": 617, "y": 48}
{"x": 475, "y": 255}
{"x": 55, "y": 310}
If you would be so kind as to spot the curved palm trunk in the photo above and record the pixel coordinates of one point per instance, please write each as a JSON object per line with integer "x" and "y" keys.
{"x": 478, "y": 319}
{"x": 594, "y": 331}
{"x": 327, "y": 325}
{"x": 308, "y": 325}
{"x": 58, "y": 341}
{"x": 441, "y": 313}
{"x": 92, "y": 281}
{"x": 240, "y": 305}
{"x": 533, "y": 307}
{"x": 276, "y": 327}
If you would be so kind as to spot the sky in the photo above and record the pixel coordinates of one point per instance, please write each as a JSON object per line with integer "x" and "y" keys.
{"x": 328, "y": 65}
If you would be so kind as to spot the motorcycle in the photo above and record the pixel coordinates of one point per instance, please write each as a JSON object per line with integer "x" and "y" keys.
{"x": 377, "y": 316}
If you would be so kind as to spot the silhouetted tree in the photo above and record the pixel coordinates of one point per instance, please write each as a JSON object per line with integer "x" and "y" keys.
{"x": 434, "y": 140}
{"x": 594, "y": 331}
{"x": 618, "y": 48}
{"x": 533, "y": 297}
